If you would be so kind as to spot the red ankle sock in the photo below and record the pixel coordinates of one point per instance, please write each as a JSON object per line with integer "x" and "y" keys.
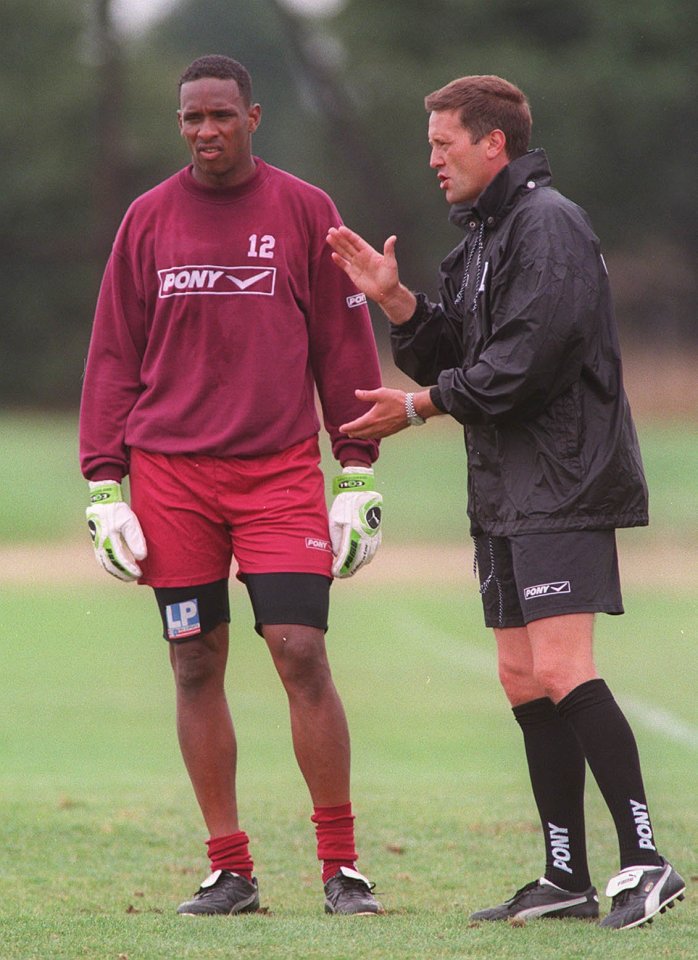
{"x": 334, "y": 828}
{"x": 231, "y": 853}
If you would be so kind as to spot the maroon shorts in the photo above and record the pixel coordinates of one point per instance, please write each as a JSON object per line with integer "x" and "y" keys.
{"x": 197, "y": 512}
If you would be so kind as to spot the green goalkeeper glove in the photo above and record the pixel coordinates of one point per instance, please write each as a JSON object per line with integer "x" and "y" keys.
{"x": 355, "y": 520}
{"x": 116, "y": 533}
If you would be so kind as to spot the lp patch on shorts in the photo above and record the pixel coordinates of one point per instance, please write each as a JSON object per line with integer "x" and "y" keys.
{"x": 182, "y": 619}
{"x": 547, "y": 589}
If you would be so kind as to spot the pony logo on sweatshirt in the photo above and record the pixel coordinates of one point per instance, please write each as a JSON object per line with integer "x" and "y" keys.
{"x": 202, "y": 279}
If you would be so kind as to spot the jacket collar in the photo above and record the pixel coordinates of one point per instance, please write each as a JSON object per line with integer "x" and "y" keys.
{"x": 499, "y": 197}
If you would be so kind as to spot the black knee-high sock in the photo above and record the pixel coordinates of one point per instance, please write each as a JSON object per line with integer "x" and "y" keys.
{"x": 611, "y": 751}
{"x": 556, "y": 767}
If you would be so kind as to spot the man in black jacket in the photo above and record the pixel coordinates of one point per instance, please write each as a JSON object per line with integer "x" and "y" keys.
{"x": 523, "y": 351}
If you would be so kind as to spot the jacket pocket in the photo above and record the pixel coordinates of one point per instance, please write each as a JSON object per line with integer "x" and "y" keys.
{"x": 565, "y": 423}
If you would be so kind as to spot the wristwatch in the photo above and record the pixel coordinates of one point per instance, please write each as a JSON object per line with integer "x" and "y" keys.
{"x": 413, "y": 417}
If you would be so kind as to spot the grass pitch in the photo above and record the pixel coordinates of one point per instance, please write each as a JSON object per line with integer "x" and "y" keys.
{"x": 101, "y": 837}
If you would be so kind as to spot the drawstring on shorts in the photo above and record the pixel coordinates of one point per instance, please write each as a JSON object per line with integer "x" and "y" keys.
{"x": 491, "y": 578}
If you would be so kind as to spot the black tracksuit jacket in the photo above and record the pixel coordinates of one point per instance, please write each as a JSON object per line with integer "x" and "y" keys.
{"x": 523, "y": 351}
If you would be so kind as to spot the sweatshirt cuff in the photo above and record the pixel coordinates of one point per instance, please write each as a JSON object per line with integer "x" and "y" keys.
{"x": 361, "y": 452}
{"x": 110, "y": 472}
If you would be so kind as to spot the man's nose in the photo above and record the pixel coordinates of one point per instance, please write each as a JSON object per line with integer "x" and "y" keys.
{"x": 208, "y": 128}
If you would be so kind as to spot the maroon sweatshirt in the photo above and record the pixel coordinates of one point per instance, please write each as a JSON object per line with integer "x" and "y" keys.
{"x": 220, "y": 312}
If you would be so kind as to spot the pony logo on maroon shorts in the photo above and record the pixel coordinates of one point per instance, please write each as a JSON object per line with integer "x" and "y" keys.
{"x": 314, "y": 543}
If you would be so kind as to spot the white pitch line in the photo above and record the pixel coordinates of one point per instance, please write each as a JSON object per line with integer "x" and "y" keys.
{"x": 476, "y": 660}
{"x": 661, "y": 721}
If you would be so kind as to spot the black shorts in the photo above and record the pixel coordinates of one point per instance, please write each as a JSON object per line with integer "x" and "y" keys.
{"x": 539, "y": 575}
{"x": 190, "y": 612}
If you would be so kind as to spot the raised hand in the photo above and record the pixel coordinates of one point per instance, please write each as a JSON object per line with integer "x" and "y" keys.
{"x": 374, "y": 273}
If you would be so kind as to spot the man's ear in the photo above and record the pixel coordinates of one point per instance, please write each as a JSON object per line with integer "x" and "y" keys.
{"x": 254, "y": 117}
{"x": 496, "y": 143}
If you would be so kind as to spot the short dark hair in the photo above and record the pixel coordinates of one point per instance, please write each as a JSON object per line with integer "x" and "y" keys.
{"x": 487, "y": 103}
{"x": 221, "y": 68}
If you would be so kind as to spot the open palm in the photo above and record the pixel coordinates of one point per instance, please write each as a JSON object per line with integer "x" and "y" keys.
{"x": 374, "y": 273}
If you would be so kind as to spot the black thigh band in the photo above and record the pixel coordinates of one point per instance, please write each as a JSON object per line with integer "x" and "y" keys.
{"x": 189, "y": 612}
{"x": 289, "y": 598}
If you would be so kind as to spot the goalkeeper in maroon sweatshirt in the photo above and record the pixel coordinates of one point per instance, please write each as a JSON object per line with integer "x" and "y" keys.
{"x": 219, "y": 316}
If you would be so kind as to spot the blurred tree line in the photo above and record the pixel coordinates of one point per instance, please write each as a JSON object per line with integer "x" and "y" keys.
{"x": 90, "y": 123}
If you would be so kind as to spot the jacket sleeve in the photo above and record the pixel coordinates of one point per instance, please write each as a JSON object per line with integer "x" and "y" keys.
{"x": 343, "y": 351}
{"x": 427, "y": 343}
{"x": 541, "y": 309}
{"x": 112, "y": 374}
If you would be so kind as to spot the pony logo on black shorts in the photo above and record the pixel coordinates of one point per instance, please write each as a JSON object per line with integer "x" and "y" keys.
{"x": 547, "y": 589}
